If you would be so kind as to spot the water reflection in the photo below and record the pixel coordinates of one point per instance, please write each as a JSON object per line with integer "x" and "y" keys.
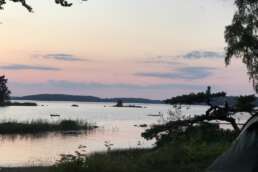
{"x": 45, "y": 149}
{"x": 46, "y": 135}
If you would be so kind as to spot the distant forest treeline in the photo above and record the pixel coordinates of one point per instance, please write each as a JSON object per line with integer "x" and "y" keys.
{"x": 64, "y": 97}
{"x": 200, "y": 98}
{"x": 194, "y": 98}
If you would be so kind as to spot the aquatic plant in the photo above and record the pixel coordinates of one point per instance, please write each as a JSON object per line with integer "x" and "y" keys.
{"x": 41, "y": 126}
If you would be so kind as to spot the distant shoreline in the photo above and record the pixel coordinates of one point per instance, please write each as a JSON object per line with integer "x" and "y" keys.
{"x": 78, "y": 98}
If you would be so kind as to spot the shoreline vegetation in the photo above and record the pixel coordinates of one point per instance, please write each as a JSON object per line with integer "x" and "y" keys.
{"x": 190, "y": 151}
{"x": 41, "y": 126}
{"x": 200, "y": 98}
{"x": 18, "y": 104}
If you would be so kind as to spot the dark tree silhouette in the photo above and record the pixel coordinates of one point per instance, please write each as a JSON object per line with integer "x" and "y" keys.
{"x": 195, "y": 98}
{"x": 246, "y": 103}
{"x": 4, "y": 91}
{"x": 24, "y": 3}
{"x": 242, "y": 42}
{"x": 242, "y": 37}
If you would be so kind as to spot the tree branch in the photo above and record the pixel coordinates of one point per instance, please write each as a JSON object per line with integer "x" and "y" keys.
{"x": 213, "y": 113}
{"x": 24, "y": 3}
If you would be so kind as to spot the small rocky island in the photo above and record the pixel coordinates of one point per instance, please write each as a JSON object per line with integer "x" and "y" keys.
{"x": 120, "y": 103}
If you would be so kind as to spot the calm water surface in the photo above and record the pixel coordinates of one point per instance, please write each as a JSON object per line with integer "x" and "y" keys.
{"x": 116, "y": 126}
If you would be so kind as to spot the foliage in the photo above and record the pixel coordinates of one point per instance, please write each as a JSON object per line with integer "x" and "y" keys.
{"x": 242, "y": 37}
{"x": 246, "y": 103}
{"x": 24, "y": 3}
{"x": 192, "y": 151}
{"x": 203, "y": 130}
{"x": 174, "y": 126}
{"x": 193, "y": 98}
{"x": 4, "y": 91}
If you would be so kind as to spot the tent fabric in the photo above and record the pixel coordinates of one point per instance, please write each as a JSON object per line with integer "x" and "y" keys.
{"x": 242, "y": 156}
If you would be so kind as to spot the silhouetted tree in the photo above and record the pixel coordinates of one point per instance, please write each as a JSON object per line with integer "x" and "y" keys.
{"x": 4, "y": 91}
{"x": 24, "y": 3}
{"x": 246, "y": 103}
{"x": 242, "y": 37}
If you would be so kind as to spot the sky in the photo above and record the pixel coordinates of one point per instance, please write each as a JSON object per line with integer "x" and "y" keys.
{"x": 119, "y": 48}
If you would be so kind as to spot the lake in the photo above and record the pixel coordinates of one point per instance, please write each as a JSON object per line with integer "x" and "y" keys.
{"x": 116, "y": 127}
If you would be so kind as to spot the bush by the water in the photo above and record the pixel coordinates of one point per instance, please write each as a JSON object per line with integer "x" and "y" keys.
{"x": 192, "y": 151}
{"x": 40, "y": 126}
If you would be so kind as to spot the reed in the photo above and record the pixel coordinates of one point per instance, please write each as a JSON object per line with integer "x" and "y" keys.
{"x": 41, "y": 126}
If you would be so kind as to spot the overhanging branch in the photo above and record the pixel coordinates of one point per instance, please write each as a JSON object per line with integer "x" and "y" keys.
{"x": 213, "y": 113}
{"x": 24, "y": 3}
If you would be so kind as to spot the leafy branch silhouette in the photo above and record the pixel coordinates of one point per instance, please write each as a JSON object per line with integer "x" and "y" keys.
{"x": 24, "y": 3}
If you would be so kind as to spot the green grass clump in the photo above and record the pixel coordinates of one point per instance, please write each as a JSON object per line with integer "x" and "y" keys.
{"x": 40, "y": 126}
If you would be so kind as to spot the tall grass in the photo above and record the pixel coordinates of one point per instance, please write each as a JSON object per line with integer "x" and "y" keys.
{"x": 18, "y": 104}
{"x": 41, "y": 126}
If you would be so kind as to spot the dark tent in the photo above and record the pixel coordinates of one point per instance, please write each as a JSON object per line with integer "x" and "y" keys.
{"x": 242, "y": 156}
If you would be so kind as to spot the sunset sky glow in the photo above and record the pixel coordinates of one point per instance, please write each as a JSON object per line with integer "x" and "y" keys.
{"x": 119, "y": 48}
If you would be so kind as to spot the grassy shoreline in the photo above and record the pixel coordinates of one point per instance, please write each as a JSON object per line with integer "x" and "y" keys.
{"x": 40, "y": 126}
{"x": 192, "y": 151}
{"x": 188, "y": 157}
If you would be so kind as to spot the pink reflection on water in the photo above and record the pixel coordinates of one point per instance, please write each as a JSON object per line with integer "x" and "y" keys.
{"x": 45, "y": 150}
